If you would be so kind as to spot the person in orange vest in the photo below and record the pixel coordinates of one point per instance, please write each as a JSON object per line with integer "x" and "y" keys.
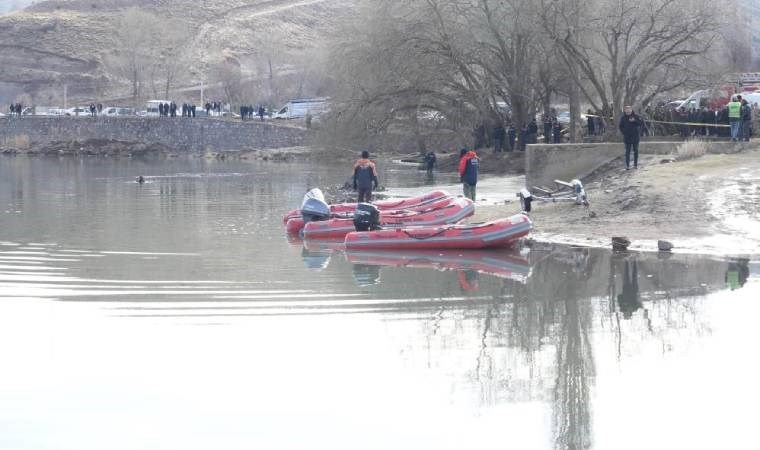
{"x": 365, "y": 177}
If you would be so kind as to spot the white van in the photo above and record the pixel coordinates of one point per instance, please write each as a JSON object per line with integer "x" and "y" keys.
{"x": 300, "y": 107}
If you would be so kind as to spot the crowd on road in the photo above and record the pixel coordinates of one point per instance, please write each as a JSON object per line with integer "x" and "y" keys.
{"x": 247, "y": 112}
{"x": 15, "y": 109}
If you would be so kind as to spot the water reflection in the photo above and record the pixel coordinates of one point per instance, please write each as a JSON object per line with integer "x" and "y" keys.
{"x": 553, "y": 308}
{"x": 526, "y": 339}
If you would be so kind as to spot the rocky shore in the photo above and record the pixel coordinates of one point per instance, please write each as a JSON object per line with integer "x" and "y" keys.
{"x": 710, "y": 204}
{"x": 90, "y": 147}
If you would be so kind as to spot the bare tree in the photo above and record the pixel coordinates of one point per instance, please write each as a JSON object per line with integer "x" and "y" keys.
{"x": 230, "y": 78}
{"x": 150, "y": 51}
{"x": 135, "y": 48}
{"x": 629, "y": 52}
{"x": 170, "y": 55}
{"x": 459, "y": 58}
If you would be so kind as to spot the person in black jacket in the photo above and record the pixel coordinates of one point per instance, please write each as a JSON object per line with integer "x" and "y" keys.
{"x": 746, "y": 116}
{"x": 511, "y": 138}
{"x": 499, "y": 134}
{"x": 430, "y": 160}
{"x": 630, "y": 127}
{"x": 365, "y": 177}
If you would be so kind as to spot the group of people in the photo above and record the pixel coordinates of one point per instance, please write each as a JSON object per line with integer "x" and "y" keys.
{"x": 691, "y": 121}
{"x": 552, "y": 128}
{"x": 365, "y": 178}
{"x": 740, "y": 118}
{"x": 509, "y": 138}
{"x": 16, "y": 109}
{"x": 170, "y": 109}
{"x": 213, "y": 106}
{"x": 95, "y": 109}
{"x": 247, "y": 112}
{"x": 595, "y": 124}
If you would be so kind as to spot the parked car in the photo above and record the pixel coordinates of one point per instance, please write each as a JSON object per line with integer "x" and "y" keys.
{"x": 118, "y": 111}
{"x": 40, "y": 111}
{"x": 78, "y": 111}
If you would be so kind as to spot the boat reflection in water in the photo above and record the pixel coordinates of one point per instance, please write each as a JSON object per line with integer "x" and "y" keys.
{"x": 468, "y": 264}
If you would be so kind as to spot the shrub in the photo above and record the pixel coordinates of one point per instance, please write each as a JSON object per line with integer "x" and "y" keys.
{"x": 691, "y": 149}
{"x": 20, "y": 142}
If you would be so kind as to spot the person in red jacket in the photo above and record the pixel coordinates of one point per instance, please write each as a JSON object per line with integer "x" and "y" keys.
{"x": 469, "y": 166}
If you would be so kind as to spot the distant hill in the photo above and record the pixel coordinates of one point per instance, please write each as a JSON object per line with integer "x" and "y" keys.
{"x": 7, "y": 6}
{"x": 56, "y": 42}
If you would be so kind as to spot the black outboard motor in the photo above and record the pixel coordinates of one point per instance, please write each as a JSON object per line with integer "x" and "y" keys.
{"x": 314, "y": 207}
{"x": 366, "y": 217}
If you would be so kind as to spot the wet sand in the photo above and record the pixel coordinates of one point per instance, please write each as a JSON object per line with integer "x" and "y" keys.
{"x": 706, "y": 205}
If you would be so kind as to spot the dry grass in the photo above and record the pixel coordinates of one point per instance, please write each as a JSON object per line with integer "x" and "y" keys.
{"x": 692, "y": 149}
{"x": 20, "y": 142}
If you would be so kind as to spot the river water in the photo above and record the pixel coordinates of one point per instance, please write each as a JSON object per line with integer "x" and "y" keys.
{"x": 176, "y": 315}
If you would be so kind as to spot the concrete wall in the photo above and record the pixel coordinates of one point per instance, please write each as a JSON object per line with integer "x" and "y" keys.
{"x": 545, "y": 163}
{"x": 185, "y": 135}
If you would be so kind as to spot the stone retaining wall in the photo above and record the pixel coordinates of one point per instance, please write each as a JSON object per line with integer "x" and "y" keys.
{"x": 196, "y": 135}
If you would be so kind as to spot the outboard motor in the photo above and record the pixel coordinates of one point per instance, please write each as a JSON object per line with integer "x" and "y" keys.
{"x": 526, "y": 198}
{"x": 366, "y": 217}
{"x": 314, "y": 207}
{"x": 580, "y": 193}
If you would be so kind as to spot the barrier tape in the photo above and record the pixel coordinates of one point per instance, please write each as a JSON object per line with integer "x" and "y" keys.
{"x": 694, "y": 124}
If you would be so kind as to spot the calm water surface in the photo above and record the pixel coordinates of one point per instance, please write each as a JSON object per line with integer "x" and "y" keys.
{"x": 176, "y": 315}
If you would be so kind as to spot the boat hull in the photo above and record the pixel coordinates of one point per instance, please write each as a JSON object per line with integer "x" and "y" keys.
{"x": 496, "y": 234}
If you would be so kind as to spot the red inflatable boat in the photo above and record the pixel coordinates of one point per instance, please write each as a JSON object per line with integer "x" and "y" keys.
{"x": 497, "y": 263}
{"x": 456, "y": 210}
{"x": 499, "y": 233}
{"x": 383, "y": 205}
{"x": 296, "y": 224}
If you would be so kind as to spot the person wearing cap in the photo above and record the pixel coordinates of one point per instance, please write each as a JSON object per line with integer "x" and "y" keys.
{"x": 365, "y": 177}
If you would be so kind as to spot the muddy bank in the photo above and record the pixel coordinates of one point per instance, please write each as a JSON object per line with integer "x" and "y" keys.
{"x": 90, "y": 147}
{"x": 706, "y": 205}
{"x": 492, "y": 163}
{"x": 277, "y": 154}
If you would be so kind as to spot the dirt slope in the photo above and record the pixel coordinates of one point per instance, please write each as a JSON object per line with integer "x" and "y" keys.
{"x": 58, "y": 41}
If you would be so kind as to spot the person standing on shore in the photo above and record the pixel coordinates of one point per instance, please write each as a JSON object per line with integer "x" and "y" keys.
{"x": 735, "y": 116}
{"x": 469, "y": 166}
{"x": 590, "y": 123}
{"x": 499, "y": 134}
{"x": 533, "y": 132}
{"x": 746, "y": 113}
{"x": 365, "y": 177}
{"x": 547, "y": 121}
{"x": 430, "y": 160}
{"x": 511, "y": 138}
{"x": 630, "y": 128}
{"x": 557, "y": 131}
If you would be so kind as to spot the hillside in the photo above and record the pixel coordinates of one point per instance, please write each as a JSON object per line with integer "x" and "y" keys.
{"x": 66, "y": 41}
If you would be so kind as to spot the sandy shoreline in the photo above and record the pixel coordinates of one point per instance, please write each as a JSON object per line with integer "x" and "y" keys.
{"x": 708, "y": 205}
